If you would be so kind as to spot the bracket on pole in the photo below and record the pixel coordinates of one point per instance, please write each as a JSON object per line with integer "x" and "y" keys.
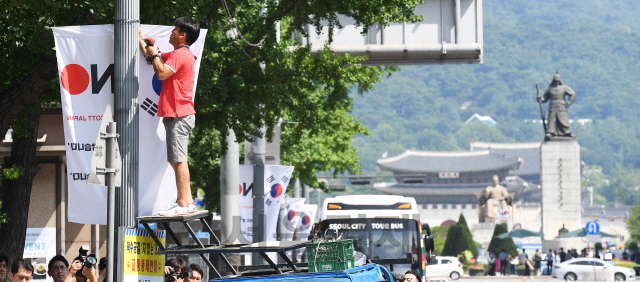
{"x": 99, "y": 158}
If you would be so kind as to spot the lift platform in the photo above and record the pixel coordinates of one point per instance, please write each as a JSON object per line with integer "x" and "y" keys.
{"x": 261, "y": 248}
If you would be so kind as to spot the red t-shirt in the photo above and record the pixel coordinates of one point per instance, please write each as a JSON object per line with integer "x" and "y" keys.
{"x": 176, "y": 96}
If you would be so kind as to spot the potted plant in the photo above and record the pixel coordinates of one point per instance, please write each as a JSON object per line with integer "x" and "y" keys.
{"x": 476, "y": 270}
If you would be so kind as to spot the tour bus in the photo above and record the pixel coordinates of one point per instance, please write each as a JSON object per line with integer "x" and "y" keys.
{"x": 383, "y": 227}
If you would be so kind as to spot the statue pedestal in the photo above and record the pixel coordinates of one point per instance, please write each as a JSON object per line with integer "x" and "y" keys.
{"x": 560, "y": 181}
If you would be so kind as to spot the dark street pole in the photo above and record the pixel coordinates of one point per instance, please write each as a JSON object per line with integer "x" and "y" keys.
{"x": 126, "y": 35}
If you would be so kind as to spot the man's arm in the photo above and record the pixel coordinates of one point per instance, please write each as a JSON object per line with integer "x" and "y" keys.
{"x": 162, "y": 71}
{"x": 143, "y": 45}
{"x": 73, "y": 268}
{"x": 572, "y": 95}
{"x": 90, "y": 273}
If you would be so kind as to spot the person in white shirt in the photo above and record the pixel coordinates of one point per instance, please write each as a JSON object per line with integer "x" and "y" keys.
{"x": 512, "y": 265}
{"x": 608, "y": 256}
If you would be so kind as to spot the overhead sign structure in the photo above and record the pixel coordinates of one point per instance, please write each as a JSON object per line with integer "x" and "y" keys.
{"x": 450, "y": 33}
{"x": 592, "y": 228}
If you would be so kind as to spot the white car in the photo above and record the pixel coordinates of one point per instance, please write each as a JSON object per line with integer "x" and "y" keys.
{"x": 586, "y": 268}
{"x": 444, "y": 267}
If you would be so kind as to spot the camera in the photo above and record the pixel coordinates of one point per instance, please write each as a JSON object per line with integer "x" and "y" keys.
{"x": 173, "y": 276}
{"x": 87, "y": 260}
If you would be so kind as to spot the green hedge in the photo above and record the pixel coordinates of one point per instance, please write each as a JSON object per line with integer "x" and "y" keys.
{"x": 628, "y": 264}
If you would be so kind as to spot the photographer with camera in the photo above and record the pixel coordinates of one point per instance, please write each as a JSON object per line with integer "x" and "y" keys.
{"x": 82, "y": 267}
{"x": 176, "y": 270}
{"x": 196, "y": 273}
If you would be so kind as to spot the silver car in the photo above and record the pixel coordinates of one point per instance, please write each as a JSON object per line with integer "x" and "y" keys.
{"x": 586, "y": 268}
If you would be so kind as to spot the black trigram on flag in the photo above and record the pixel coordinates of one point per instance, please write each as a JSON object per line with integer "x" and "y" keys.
{"x": 271, "y": 179}
{"x": 285, "y": 178}
{"x": 149, "y": 106}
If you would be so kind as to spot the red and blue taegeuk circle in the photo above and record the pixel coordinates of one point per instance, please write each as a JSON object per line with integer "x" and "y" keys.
{"x": 291, "y": 214}
{"x": 276, "y": 190}
{"x": 157, "y": 84}
{"x": 306, "y": 220}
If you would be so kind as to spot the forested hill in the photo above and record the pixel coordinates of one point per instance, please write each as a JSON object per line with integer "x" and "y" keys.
{"x": 594, "y": 45}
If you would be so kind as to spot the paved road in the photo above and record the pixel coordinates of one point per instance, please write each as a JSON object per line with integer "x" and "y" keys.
{"x": 508, "y": 279}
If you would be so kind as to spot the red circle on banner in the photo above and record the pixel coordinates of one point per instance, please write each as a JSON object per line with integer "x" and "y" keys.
{"x": 240, "y": 189}
{"x": 74, "y": 78}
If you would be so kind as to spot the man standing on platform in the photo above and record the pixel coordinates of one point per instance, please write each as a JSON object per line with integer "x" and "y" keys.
{"x": 176, "y": 70}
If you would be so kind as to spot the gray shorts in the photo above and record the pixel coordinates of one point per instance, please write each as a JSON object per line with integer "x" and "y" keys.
{"x": 178, "y": 130}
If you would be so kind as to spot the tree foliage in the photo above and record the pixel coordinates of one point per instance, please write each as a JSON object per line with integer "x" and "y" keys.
{"x": 633, "y": 223}
{"x": 497, "y": 245}
{"x": 459, "y": 239}
{"x": 28, "y": 85}
{"x": 439, "y": 234}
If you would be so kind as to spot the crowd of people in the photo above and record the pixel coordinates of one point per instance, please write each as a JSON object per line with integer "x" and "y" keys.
{"x": 506, "y": 264}
{"x": 60, "y": 270}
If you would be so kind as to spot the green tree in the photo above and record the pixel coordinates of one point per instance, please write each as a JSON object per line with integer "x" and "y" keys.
{"x": 439, "y": 234}
{"x": 28, "y": 86}
{"x": 470, "y": 244}
{"x": 463, "y": 222}
{"x": 497, "y": 245}
{"x": 633, "y": 223}
{"x": 598, "y": 246}
{"x": 458, "y": 241}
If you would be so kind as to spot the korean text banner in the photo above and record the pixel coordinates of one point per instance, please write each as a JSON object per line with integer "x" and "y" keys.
{"x": 139, "y": 257}
{"x": 85, "y": 58}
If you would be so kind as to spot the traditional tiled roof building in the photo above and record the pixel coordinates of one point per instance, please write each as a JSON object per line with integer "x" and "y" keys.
{"x": 445, "y": 177}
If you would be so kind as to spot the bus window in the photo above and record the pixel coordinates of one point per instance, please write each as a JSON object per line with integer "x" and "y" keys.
{"x": 360, "y": 240}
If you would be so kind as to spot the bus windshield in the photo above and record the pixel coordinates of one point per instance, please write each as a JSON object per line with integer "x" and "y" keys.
{"x": 379, "y": 238}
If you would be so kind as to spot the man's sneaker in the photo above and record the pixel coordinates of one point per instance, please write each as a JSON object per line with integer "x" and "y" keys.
{"x": 174, "y": 210}
{"x": 192, "y": 207}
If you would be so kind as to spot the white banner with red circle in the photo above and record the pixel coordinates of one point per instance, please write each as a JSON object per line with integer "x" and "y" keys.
{"x": 85, "y": 56}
